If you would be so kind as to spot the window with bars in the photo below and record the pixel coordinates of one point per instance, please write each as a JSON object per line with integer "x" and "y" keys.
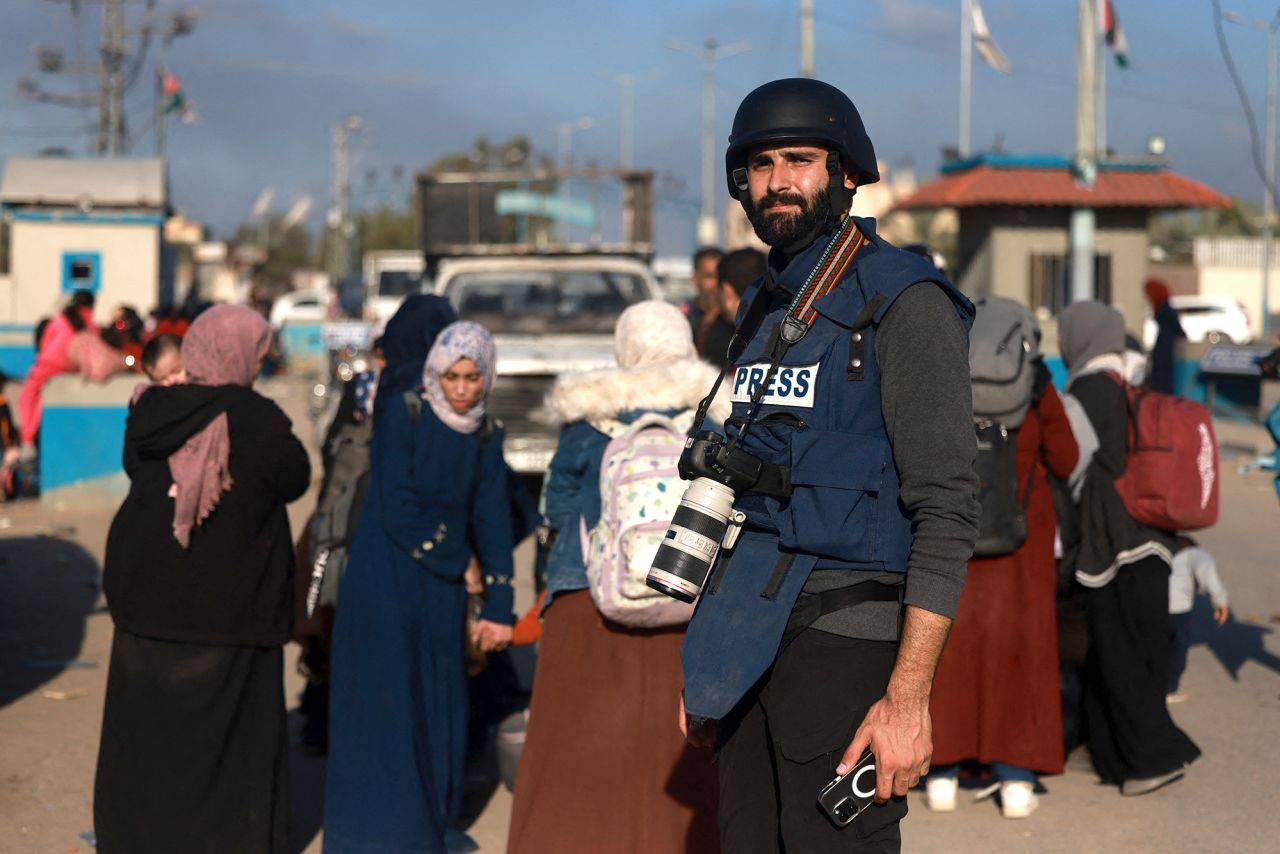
{"x": 1051, "y": 281}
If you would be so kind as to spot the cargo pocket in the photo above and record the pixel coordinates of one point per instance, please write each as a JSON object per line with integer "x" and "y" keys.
{"x": 835, "y": 479}
{"x": 827, "y": 742}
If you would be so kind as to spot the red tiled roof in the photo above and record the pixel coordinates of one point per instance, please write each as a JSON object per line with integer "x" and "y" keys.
{"x": 989, "y": 185}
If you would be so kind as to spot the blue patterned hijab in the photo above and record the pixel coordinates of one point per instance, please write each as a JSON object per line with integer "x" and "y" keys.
{"x": 462, "y": 340}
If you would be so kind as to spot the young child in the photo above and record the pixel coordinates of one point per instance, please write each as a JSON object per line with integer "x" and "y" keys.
{"x": 1193, "y": 568}
{"x": 162, "y": 360}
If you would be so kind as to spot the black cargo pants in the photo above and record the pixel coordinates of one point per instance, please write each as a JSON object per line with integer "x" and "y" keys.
{"x": 782, "y": 743}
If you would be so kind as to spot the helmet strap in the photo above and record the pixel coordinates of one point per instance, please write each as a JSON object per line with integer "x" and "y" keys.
{"x": 841, "y": 196}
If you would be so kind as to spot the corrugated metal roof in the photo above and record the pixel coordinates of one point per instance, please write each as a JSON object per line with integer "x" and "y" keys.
{"x": 126, "y": 182}
{"x": 987, "y": 185}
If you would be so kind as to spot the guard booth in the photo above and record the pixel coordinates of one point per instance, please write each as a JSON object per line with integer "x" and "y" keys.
{"x": 1233, "y": 384}
{"x": 80, "y": 224}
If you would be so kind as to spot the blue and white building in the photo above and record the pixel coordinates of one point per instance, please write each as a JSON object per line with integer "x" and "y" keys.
{"x": 94, "y": 224}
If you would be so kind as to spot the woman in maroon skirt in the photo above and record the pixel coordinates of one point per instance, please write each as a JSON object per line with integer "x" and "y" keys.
{"x": 996, "y": 697}
{"x": 604, "y": 767}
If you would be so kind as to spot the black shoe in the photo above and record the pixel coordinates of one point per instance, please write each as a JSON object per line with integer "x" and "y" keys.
{"x": 1145, "y": 785}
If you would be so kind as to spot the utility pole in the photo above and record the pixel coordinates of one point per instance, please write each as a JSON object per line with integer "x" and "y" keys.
{"x": 564, "y": 139}
{"x": 1083, "y": 222}
{"x": 966, "y": 77}
{"x": 806, "y": 38}
{"x": 708, "y": 223}
{"x": 627, "y": 131}
{"x": 160, "y": 107}
{"x": 341, "y": 229}
{"x": 118, "y": 67}
{"x": 1269, "y": 168}
{"x": 1268, "y": 201}
{"x": 626, "y": 140}
{"x": 111, "y": 103}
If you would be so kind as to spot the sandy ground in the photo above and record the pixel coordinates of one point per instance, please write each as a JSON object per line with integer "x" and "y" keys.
{"x": 55, "y": 639}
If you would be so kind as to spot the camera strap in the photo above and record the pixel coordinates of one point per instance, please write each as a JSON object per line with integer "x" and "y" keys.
{"x": 795, "y": 324}
{"x": 801, "y": 314}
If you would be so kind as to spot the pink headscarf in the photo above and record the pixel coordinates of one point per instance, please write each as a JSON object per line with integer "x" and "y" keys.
{"x": 224, "y": 346}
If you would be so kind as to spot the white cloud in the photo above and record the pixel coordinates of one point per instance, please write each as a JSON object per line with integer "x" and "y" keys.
{"x": 913, "y": 17}
{"x": 340, "y": 24}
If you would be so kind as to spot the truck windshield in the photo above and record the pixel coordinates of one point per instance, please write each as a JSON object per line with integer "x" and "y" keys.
{"x": 397, "y": 283}
{"x": 545, "y": 301}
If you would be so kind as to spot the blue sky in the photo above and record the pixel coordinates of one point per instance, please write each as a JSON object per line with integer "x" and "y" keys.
{"x": 269, "y": 77}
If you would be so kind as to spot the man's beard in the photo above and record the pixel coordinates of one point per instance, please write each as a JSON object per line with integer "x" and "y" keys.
{"x": 791, "y": 232}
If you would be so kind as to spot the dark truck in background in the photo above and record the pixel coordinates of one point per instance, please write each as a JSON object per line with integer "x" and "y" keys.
{"x": 493, "y": 246}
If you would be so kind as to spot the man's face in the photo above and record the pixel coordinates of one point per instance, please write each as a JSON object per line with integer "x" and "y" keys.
{"x": 729, "y": 300}
{"x": 787, "y": 183}
{"x": 706, "y": 281}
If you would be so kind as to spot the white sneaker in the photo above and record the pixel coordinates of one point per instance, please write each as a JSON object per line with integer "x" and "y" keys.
{"x": 940, "y": 793}
{"x": 1018, "y": 799}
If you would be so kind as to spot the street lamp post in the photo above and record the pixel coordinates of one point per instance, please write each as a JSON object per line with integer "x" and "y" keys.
{"x": 708, "y": 227}
{"x": 627, "y": 130}
{"x": 1269, "y": 167}
{"x": 564, "y": 137}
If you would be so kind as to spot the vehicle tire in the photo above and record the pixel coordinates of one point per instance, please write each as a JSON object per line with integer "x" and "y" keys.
{"x": 1215, "y": 336}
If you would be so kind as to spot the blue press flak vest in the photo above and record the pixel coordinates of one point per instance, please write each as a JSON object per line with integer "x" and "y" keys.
{"x": 821, "y": 417}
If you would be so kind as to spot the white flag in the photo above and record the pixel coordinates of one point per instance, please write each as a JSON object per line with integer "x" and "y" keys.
{"x": 983, "y": 41}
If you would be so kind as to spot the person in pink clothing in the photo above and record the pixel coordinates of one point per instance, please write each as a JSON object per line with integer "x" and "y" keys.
{"x": 52, "y": 358}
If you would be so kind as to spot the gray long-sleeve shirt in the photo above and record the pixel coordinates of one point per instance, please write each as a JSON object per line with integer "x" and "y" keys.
{"x": 923, "y": 358}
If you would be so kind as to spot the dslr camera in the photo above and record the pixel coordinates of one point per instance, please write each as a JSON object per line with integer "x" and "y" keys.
{"x": 705, "y": 521}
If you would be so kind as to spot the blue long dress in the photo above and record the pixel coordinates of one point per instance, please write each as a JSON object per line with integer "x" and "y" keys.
{"x": 399, "y": 710}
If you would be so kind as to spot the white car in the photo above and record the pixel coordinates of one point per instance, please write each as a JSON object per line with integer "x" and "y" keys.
{"x": 548, "y": 314}
{"x": 308, "y": 306}
{"x": 1215, "y": 319}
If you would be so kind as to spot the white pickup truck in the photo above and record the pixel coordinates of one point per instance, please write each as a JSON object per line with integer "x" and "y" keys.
{"x": 549, "y": 314}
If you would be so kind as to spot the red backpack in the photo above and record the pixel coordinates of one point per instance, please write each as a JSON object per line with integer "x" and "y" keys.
{"x": 1170, "y": 478}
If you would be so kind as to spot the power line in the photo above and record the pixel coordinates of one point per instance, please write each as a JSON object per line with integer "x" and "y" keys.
{"x": 1255, "y": 144}
{"x": 37, "y": 132}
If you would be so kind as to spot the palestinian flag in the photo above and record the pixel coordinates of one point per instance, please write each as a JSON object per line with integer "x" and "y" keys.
{"x": 1110, "y": 26}
{"x": 175, "y": 98}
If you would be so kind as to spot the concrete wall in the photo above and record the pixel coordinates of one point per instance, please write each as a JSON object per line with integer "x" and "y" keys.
{"x": 996, "y": 244}
{"x": 1182, "y": 278}
{"x": 130, "y": 267}
{"x": 82, "y": 429}
{"x": 1244, "y": 285}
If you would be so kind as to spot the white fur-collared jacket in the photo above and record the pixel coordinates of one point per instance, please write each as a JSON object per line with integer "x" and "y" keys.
{"x": 592, "y": 407}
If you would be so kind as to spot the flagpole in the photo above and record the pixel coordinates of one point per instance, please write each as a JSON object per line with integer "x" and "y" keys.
{"x": 1102, "y": 100}
{"x": 1082, "y": 218}
{"x": 966, "y": 72}
{"x": 160, "y": 107}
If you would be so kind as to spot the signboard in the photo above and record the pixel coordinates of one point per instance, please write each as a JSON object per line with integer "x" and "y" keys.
{"x": 346, "y": 334}
{"x": 1233, "y": 360}
{"x": 540, "y": 204}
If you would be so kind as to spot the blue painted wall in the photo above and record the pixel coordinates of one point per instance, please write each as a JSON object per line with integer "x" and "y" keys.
{"x": 302, "y": 341}
{"x": 1235, "y": 397}
{"x": 79, "y": 443}
{"x": 17, "y": 349}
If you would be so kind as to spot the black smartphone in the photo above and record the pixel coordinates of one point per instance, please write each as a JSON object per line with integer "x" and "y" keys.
{"x": 844, "y": 798}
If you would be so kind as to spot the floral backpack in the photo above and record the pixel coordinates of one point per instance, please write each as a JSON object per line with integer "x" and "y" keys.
{"x": 640, "y": 489}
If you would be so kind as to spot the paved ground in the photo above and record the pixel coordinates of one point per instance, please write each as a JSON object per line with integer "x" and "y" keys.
{"x": 55, "y": 640}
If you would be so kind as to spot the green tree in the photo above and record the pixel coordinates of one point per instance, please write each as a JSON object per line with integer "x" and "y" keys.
{"x": 516, "y": 154}
{"x": 386, "y": 227}
{"x": 1174, "y": 232}
{"x": 287, "y": 249}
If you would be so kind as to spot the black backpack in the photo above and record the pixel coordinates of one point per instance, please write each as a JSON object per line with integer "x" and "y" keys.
{"x": 1002, "y": 521}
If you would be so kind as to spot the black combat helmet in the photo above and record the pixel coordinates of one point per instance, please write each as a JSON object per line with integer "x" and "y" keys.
{"x": 799, "y": 108}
